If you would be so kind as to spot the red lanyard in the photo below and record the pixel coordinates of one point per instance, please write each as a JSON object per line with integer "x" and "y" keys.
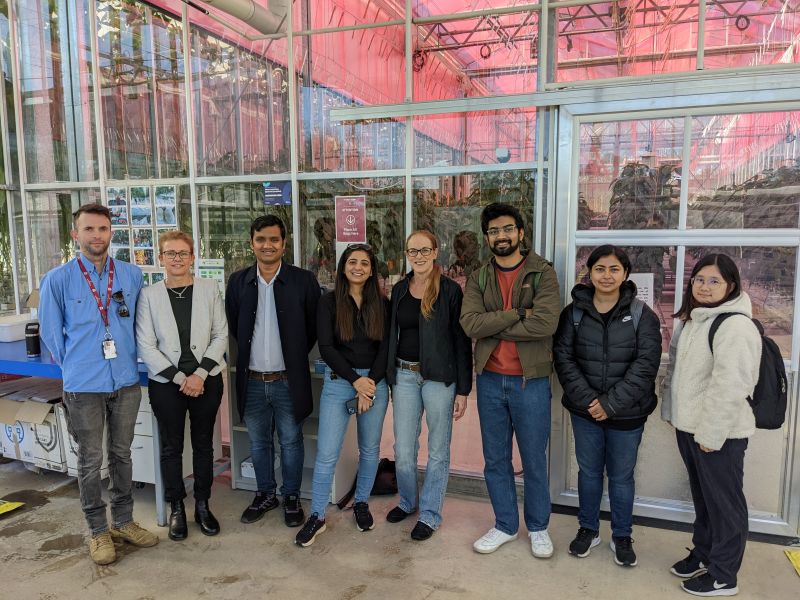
{"x": 103, "y": 309}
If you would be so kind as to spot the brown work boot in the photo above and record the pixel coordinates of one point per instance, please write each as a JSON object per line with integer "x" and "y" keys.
{"x": 101, "y": 549}
{"x": 134, "y": 534}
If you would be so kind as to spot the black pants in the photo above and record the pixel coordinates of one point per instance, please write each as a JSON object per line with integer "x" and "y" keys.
{"x": 720, "y": 525}
{"x": 170, "y": 407}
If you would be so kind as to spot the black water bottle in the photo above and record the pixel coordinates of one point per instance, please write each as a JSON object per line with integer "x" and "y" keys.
{"x": 32, "y": 345}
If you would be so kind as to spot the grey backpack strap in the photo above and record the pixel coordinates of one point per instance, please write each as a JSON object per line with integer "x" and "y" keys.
{"x": 577, "y": 315}
{"x": 637, "y": 307}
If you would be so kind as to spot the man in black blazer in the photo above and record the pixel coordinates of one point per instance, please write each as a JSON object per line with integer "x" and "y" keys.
{"x": 271, "y": 308}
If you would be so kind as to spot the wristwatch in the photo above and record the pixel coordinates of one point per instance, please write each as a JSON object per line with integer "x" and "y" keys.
{"x": 522, "y": 312}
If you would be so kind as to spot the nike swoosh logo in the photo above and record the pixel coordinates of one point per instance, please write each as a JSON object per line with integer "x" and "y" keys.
{"x": 719, "y": 586}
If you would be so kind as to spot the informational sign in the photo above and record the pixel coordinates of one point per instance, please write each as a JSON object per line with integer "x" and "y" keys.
{"x": 351, "y": 222}
{"x": 277, "y": 193}
{"x": 644, "y": 287}
{"x": 212, "y": 268}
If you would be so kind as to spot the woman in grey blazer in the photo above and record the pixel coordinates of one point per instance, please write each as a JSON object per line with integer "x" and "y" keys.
{"x": 182, "y": 335}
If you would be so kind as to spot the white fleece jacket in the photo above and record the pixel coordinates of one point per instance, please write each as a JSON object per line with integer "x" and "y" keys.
{"x": 709, "y": 391}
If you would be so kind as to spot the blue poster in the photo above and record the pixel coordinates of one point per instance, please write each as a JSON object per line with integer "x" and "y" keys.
{"x": 277, "y": 193}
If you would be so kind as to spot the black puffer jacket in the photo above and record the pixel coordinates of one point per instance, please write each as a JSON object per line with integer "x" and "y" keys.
{"x": 616, "y": 364}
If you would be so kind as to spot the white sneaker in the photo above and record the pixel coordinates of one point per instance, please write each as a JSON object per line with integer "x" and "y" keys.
{"x": 541, "y": 545}
{"x": 492, "y": 540}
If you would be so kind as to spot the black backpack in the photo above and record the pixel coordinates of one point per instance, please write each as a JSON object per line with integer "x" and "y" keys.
{"x": 769, "y": 397}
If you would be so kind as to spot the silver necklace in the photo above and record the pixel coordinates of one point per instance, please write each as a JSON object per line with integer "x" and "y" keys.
{"x": 178, "y": 294}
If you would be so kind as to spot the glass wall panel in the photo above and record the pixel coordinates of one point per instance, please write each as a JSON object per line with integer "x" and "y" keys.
{"x": 475, "y": 138}
{"x": 741, "y": 34}
{"x": 612, "y": 39}
{"x": 629, "y": 174}
{"x": 385, "y": 224}
{"x": 56, "y": 86}
{"x": 320, "y": 14}
{"x": 7, "y": 93}
{"x": 225, "y": 214}
{"x": 483, "y": 56}
{"x": 424, "y": 8}
{"x": 19, "y": 241}
{"x": 744, "y": 171}
{"x": 8, "y": 302}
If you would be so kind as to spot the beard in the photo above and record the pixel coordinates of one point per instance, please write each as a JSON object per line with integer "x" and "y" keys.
{"x": 91, "y": 251}
{"x": 506, "y": 251}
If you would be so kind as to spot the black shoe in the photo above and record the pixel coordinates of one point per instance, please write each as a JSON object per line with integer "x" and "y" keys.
{"x": 293, "y": 514}
{"x": 397, "y": 514}
{"x": 622, "y": 547}
{"x": 261, "y": 504}
{"x": 689, "y": 566}
{"x": 306, "y": 536}
{"x": 203, "y": 517}
{"x": 364, "y": 520}
{"x": 177, "y": 521}
{"x": 584, "y": 541}
{"x": 706, "y": 585}
{"x": 422, "y": 531}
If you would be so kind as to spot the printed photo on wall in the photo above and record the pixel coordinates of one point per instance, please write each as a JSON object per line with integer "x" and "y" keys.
{"x": 142, "y": 238}
{"x": 165, "y": 195}
{"x": 140, "y": 196}
{"x": 119, "y": 215}
{"x": 120, "y": 237}
{"x": 121, "y": 253}
{"x": 146, "y": 278}
{"x": 141, "y": 215}
{"x": 156, "y": 277}
{"x": 143, "y": 257}
{"x": 116, "y": 197}
{"x": 165, "y": 215}
{"x": 161, "y": 231}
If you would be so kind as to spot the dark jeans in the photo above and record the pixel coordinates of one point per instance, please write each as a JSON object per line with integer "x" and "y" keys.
{"x": 88, "y": 415}
{"x": 615, "y": 451}
{"x": 170, "y": 407}
{"x": 720, "y": 523}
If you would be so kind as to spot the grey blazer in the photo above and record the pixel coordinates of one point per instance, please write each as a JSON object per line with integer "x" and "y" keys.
{"x": 157, "y": 333}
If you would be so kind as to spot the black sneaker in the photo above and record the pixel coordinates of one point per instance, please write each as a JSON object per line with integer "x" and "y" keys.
{"x": 306, "y": 536}
{"x": 706, "y": 585}
{"x": 364, "y": 520}
{"x": 622, "y": 547}
{"x": 397, "y": 514}
{"x": 689, "y": 566}
{"x": 421, "y": 532}
{"x": 262, "y": 504}
{"x": 583, "y": 543}
{"x": 293, "y": 514}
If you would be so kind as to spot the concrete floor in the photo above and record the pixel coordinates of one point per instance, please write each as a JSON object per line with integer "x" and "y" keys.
{"x": 44, "y": 556}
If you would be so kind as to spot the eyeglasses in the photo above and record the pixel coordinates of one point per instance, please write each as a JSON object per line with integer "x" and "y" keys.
{"x": 364, "y": 247}
{"x": 172, "y": 255}
{"x": 711, "y": 282}
{"x": 122, "y": 309}
{"x": 495, "y": 231}
{"x": 414, "y": 252}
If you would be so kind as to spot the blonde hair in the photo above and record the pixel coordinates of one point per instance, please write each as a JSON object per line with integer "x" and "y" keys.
{"x": 431, "y": 293}
{"x": 172, "y": 236}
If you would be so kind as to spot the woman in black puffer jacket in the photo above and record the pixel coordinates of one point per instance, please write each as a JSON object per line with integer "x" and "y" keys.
{"x": 606, "y": 352}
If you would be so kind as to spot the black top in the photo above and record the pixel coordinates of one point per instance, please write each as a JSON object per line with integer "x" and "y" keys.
{"x": 607, "y": 315}
{"x": 182, "y": 310}
{"x": 408, "y": 321}
{"x": 361, "y": 352}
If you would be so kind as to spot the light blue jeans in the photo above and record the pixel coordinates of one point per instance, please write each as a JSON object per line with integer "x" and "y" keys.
{"x": 412, "y": 395}
{"x": 333, "y": 422}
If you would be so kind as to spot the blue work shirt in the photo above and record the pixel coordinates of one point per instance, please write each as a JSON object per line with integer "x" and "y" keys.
{"x": 73, "y": 330}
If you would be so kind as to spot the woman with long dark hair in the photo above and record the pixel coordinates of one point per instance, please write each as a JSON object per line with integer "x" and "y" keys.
{"x": 606, "y": 352}
{"x": 430, "y": 371}
{"x": 705, "y": 399}
{"x": 352, "y": 331}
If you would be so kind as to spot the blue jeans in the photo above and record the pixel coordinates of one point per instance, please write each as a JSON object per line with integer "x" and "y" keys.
{"x": 412, "y": 395}
{"x": 509, "y": 405}
{"x": 596, "y": 448}
{"x": 333, "y": 422}
{"x": 268, "y": 407}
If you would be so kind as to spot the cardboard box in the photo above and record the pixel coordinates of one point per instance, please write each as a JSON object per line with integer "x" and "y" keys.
{"x": 14, "y": 441}
{"x": 48, "y": 445}
{"x": 71, "y": 447}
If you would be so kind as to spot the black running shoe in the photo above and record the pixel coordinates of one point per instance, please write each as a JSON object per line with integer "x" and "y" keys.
{"x": 261, "y": 504}
{"x": 706, "y": 585}
{"x": 364, "y": 520}
{"x": 584, "y": 541}
{"x": 689, "y": 566}
{"x": 306, "y": 536}
{"x": 293, "y": 514}
{"x": 622, "y": 547}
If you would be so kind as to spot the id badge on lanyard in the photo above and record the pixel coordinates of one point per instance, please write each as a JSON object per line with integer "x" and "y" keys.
{"x": 109, "y": 347}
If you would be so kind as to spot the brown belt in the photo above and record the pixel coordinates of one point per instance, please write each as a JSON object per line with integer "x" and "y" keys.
{"x": 408, "y": 366}
{"x": 273, "y": 376}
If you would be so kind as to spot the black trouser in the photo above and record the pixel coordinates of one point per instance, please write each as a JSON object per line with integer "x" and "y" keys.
{"x": 720, "y": 525}
{"x": 170, "y": 406}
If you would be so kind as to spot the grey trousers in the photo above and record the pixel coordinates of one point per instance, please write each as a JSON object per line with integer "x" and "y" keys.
{"x": 87, "y": 416}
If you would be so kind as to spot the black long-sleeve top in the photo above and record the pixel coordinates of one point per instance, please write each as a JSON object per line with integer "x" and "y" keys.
{"x": 187, "y": 364}
{"x": 359, "y": 353}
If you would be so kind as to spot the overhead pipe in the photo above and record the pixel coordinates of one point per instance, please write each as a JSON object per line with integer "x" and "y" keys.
{"x": 266, "y": 21}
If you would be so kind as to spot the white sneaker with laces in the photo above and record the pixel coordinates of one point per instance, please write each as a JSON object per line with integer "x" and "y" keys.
{"x": 541, "y": 545}
{"x": 492, "y": 540}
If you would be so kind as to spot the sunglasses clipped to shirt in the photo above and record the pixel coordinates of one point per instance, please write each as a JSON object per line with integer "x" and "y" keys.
{"x": 119, "y": 298}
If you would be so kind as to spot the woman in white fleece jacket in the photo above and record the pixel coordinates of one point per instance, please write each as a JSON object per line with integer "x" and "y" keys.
{"x": 705, "y": 399}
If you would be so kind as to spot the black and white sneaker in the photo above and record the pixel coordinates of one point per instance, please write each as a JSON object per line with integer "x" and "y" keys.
{"x": 622, "y": 547}
{"x": 364, "y": 520}
{"x": 306, "y": 536}
{"x": 261, "y": 504}
{"x": 706, "y": 585}
{"x": 689, "y": 566}
{"x": 584, "y": 541}
{"x": 293, "y": 514}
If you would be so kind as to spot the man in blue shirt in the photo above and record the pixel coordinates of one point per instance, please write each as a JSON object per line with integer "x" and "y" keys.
{"x": 272, "y": 314}
{"x": 86, "y": 310}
